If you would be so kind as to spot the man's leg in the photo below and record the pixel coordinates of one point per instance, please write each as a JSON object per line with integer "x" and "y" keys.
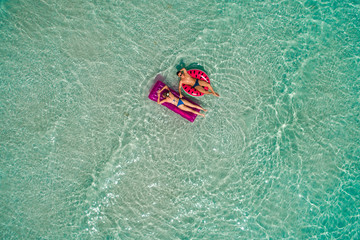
{"x": 206, "y": 84}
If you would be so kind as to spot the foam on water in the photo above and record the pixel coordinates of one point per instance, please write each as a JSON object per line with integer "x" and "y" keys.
{"x": 85, "y": 154}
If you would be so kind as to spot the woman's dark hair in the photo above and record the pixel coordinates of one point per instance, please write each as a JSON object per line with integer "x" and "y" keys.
{"x": 178, "y": 73}
{"x": 165, "y": 93}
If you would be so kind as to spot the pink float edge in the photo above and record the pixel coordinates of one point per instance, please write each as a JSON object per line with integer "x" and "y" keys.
{"x": 153, "y": 96}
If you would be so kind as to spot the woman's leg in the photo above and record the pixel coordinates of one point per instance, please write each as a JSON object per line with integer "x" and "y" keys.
{"x": 187, "y": 103}
{"x": 185, "y": 108}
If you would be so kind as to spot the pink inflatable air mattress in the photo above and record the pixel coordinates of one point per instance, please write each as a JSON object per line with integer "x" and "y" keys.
{"x": 153, "y": 96}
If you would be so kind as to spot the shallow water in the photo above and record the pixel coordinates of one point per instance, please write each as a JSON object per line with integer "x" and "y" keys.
{"x": 85, "y": 154}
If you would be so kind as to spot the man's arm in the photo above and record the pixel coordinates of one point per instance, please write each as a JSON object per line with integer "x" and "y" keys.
{"x": 180, "y": 84}
{"x": 183, "y": 70}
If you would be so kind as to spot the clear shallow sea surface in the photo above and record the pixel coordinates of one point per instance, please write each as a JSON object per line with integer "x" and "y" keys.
{"x": 85, "y": 155}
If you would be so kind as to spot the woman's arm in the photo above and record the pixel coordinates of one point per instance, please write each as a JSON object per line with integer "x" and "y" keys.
{"x": 164, "y": 88}
{"x": 158, "y": 99}
{"x": 161, "y": 102}
{"x": 158, "y": 95}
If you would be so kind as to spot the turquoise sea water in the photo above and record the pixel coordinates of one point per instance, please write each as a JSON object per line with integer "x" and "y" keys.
{"x": 85, "y": 155}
